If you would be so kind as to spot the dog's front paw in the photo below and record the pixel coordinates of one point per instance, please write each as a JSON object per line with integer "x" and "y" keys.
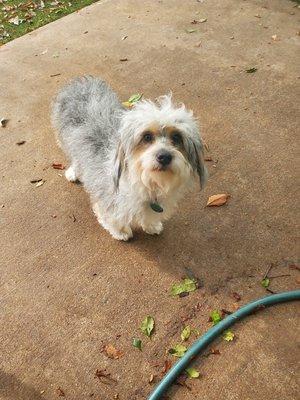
{"x": 153, "y": 229}
{"x": 70, "y": 174}
{"x": 124, "y": 234}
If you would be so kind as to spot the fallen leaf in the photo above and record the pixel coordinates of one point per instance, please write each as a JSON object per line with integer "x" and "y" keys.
{"x": 178, "y": 350}
{"x": 265, "y": 282}
{"x": 190, "y": 30}
{"x": 257, "y": 16}
{"x": 137, "y": 343}
{"x": 132, "y": 100}
{"x": 124, "y": 37}
{"x": 135, "y": 98}
{"x": 188, "y": 285}
{"x": 217, "y": 200}
{"x": 3, "y": 122}
{"x": 186, "y": 332}
{"x": 215, "y": 351}
{"x": 274, "y": 37}
{"x": 102, "y": 373}
{"x": 167, "y": 366}
{"x": 21, "y": 142}
{"x": 236, "y": 296}
{"x": 60, "y": 392}
{"x": 294, "y": 266}
{"x": 123, "y": 59}
{"x": 181, "y": 380}
{"x": 147, "y": 325}
{"x": 40, "y": 183}
{"x": 192, "y": 372}
{"x": 151, "y": 379}
{"x": 36, "y": 180}
{"x": 228, "y": 336}
{"x": 201, "y": 20}
{"x": 215, "y": 317}
{"x": 58, "y": 166}
{"x": 251, "y": 70}
{"x": 112, "y": 352}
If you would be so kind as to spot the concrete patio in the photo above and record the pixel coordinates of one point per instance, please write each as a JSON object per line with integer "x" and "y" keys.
{"x": 67, "y": 288}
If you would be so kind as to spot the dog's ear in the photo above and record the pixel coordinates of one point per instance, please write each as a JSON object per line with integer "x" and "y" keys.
{"x": 196, "y": 159}
{"x": 119, "y": 165}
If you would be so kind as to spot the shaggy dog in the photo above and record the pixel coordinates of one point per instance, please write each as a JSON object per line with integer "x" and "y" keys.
{"x": 136, "y": 164}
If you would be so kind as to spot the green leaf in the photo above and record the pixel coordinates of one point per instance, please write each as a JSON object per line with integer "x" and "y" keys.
{"x": 188, "y": 285}
{"x": 265, "y": 282}
{"x": 178, "y": 350}
{"x": 147, "y": 325}
{"x": 228, "y": 336}
{"x": 251, "y": 70}
{"x": 192, "y": 373}
{"x": 186, "y": 332}
{"x": 135, "y": 98}
{"x": 215, "y": 317}
{"x": 137, "y": 343}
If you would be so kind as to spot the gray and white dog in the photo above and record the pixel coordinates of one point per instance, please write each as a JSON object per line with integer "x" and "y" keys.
{"x": 136, "y": 163}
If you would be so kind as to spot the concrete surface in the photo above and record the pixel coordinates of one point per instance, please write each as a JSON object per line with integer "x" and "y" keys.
{"x": 67, "y": 288}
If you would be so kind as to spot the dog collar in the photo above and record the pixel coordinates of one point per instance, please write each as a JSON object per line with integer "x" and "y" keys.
{"x": 156, "y": 207}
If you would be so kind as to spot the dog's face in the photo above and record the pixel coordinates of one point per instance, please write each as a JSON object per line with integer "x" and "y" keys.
{"x": 160, "y": 144}
{"x": 160, "y": 158}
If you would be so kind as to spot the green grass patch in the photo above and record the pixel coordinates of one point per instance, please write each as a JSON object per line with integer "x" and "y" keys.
{"x": 18, "y": 17}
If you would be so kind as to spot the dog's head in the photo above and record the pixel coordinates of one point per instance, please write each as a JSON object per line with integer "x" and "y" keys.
{"x": 160, "y": 144}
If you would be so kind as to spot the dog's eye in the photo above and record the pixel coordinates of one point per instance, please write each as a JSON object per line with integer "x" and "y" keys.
{"x": 176, "y": 138}
{"x": 147, "y": 137}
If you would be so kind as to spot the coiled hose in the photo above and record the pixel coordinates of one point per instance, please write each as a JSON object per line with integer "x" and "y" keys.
{"x": 214, "y": 332}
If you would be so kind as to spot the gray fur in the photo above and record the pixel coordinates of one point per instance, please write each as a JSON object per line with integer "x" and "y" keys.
{"x": 86, "y": 114}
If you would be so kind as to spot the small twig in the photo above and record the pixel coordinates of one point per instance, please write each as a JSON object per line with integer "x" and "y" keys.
{"x": 270, "y": 291}
{"x": 267, "y": 271}
{"x": 278, "y": 276}
{"x": 53, "y": 75}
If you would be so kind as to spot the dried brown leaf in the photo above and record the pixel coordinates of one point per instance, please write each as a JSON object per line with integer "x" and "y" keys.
{"x": 167, "y": 366}
{"x": 236, "y": 296}
{"x": 217, "y": 200}
{"x": 102, "y": 373}
{"x": 60, "y": 392}
{"x": 3, "y": 122}
{"x": 215, "y": 351}
{"x": 58, "y": 166}
{"x": 112, "y": 352}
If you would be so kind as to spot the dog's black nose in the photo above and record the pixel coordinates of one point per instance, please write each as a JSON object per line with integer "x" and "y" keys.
{"x": 164, "y": 158}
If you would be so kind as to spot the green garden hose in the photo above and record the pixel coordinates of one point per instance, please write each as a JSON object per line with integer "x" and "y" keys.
{"x": 214, "y": 332}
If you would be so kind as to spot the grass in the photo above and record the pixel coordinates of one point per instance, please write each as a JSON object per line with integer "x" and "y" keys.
{"x": 32, "y": 15}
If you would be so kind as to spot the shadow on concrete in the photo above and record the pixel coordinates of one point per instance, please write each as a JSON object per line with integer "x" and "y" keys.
{"x": 11, "y": 388}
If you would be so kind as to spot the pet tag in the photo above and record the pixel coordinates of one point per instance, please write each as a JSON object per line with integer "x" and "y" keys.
{"x": 156, "y": 207}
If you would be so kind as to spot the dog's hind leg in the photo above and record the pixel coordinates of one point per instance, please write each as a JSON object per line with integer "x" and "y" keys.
{"x": 71, "y": 173}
